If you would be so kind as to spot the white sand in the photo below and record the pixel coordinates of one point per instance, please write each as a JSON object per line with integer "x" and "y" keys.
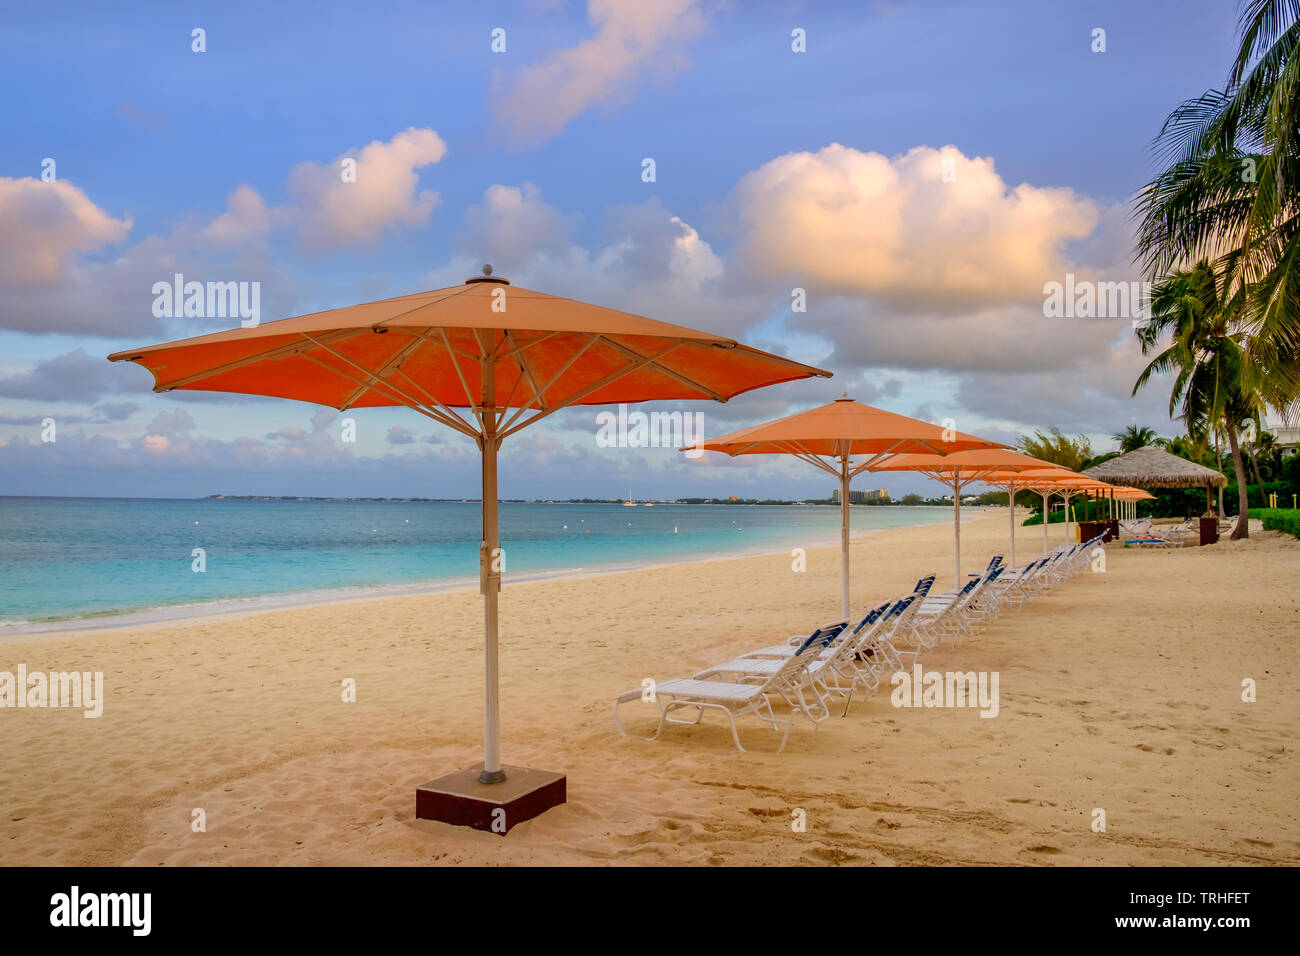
{"x": 1120, "y": 691}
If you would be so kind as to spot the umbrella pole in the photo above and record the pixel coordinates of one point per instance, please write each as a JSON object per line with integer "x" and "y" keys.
{"x": 844, "y": 533}
{"x": 1011, "y": 503}
{"x": 1046, "y": 495}
{"x": 956, "y": 528}
{"x": 490, "y": 582}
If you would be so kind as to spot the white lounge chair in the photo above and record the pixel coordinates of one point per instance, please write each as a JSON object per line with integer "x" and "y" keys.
{"x": 734, "y": 700}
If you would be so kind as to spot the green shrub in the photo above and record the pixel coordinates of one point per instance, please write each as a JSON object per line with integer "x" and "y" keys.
{"x": 1286, "y": 520}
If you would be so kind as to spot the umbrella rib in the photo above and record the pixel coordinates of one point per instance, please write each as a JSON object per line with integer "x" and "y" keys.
{"x": 482, "y": 410}
{"x": 469, "y": 396}
{"x": 457, "y": 424}
{"x": 586, "y": 390}
{"x": 269, "y": 355}
{"x": 517, "y": 355}
{"x": 434, "y": 400}
{"x": 401, "y": 394}
{"x": 629, "y": 352}
{"x": 591, "y": 340}
{"x": 874, "y": 459}
{"x": 389, "y": 366}
{"x": 423, "y": 333}
{"x": 510, "y": 353}
{"x": 817, "y": 461}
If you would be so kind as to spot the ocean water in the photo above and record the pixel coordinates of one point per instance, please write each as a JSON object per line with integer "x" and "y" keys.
{"x": 70, "y": 558}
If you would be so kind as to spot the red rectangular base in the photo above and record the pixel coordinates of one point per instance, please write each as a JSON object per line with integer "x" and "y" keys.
{"x": 459, "y": 799}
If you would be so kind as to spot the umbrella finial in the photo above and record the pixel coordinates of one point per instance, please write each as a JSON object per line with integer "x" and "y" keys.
{"x": 487, "y": 276}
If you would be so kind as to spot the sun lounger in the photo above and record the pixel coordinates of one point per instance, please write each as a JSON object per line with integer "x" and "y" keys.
{"x": 839, "y": 666}
{"x": 735, "y": 699}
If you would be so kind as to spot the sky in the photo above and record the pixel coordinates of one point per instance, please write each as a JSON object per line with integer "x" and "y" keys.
{"x": 921, "y": 170}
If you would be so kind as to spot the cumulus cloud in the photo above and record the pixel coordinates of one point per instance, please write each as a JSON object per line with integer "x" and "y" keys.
{"x": 288, "y": 433}
{"x": 631, "y": 40}
{"x": 331, "y": 213}
{"x": 931, "y": 228}
{"x": 45, "y": 225}
{"x": 1096, "y": 398}
{"x": 171, "y": 423}
{"x": 116, "y": 411}
{"x": 512, "y": 225}
{"x": 400, "y": 435}
{"x": 246, "y": 218}
{"x": 75, "y": 376}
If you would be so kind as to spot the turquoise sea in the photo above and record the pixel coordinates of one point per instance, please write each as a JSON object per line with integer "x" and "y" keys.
{"x": 86, "y": 558}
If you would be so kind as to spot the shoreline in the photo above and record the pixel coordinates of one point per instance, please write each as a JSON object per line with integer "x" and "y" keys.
{"x": 235, "y": 608}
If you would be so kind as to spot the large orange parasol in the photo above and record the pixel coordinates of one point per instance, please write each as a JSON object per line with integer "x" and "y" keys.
{"x": 1059, "y": 481}
{"x": 961, "y": 469}
{"x": 828, "y": 436}
{"x": 509, "y": 355}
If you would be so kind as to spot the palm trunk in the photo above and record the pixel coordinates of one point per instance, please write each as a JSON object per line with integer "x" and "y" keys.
{"x": 1254, "y": 464}
{"x": 1218, "y": 464}
{"x": 1243, "y": 500}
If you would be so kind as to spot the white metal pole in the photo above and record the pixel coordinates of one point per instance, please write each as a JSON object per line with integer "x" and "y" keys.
{"x": 956, "y": 527}
{"x": 844, "y": 531}
{"x": 1047, "y": 495}
{"x": 490, "y": 579}
{"x": 1011, "y": 503}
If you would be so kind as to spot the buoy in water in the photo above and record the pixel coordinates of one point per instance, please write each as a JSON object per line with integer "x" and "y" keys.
{"x": 674, "y": 529}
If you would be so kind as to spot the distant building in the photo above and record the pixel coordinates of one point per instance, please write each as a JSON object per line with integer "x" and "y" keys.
{"x": 1287, "y": 435}
{"x": 861, "y": 497}
{"x": 734, "y": 498}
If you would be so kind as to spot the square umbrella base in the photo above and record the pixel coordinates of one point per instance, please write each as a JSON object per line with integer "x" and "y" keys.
{"x": 459, "y": 799}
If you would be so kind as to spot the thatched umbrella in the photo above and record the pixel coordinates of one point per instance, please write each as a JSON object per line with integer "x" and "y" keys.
{"x": 1152, "y": 467}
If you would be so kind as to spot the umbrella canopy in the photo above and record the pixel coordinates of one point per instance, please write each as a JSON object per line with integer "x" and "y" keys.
{"x": 510, "y": 355}
{"x": 1056, "y": 480}
{"x": 961, "y": 469}
{"x": 830, "y": 435}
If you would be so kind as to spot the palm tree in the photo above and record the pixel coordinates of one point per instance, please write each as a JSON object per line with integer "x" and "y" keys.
{"x": 1266, "y": 448}
{"x": 1216, "y": 381}
{"x": 1134, "y": 437}
{"x": 1069, "y": 453}
{"x": 1230, "y": 192}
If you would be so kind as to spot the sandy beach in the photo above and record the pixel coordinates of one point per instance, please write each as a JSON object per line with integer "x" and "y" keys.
{"x": 1120, "y": 690}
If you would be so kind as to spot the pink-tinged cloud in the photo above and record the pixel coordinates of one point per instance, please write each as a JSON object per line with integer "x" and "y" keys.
{"x": 931, "y": 228}
{"x": 331, "y": 212}
{"x": 42, "y": 227}
{"x": 246, "y": 218}
{"x": 632, "y": 38}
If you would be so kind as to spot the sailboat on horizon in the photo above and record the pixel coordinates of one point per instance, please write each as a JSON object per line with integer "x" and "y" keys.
{"x": 629, "y": 503}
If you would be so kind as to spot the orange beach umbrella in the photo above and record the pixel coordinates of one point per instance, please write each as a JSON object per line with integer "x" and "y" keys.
{"x": 961, "y": 469}
{"x": 831, "y": 435}
{"x": 508, "y": 355}
{"x": 1059, "y": 481}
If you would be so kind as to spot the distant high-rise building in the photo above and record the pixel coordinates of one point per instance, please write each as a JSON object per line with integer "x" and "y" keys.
{"x": 861, "y": 497}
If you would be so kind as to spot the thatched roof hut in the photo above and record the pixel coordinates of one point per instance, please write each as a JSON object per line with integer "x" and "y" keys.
{"x": 1152, "y": 467}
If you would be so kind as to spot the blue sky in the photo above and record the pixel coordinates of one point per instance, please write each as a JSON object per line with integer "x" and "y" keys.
{"x": 221, "y": 165}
